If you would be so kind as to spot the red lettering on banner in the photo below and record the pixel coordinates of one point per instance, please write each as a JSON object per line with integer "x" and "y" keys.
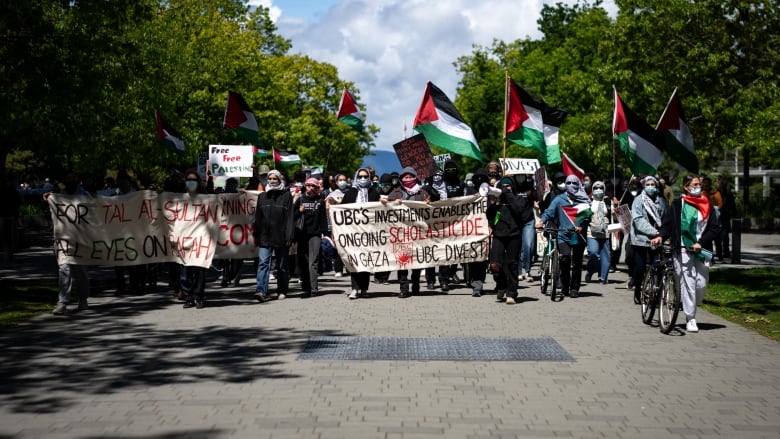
{"x": 190, "y": 247}
{"x": 236, "y": 234}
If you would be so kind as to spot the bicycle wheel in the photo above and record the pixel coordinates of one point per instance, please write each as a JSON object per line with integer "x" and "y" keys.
{"x": 545, "y": 273}
{"x": 648, "y": 300}
{"x": 554, "y": 276}
{"x": 670, "y": 301}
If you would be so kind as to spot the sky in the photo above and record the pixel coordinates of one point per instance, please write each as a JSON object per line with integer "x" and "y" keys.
{"x": 390, "y": 49}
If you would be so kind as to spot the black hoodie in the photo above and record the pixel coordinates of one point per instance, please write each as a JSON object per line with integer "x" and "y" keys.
{"x": 455, "y": 186}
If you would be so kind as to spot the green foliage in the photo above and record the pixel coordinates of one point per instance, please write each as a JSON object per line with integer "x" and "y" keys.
{"x": 723, "y": 57}
{"x": 747, "y": 297}
{"x": 80, "y": 83}
{"x": 20, "y": 301}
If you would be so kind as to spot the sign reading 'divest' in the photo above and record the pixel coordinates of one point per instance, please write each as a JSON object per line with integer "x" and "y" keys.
{"x": 514, "y": 166}
{"x": 230, "y": 160}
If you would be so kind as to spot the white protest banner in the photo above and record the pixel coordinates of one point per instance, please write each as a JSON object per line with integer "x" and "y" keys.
{"x": 398, "y": 236}
{"x": 230, "y": 160}
{"x": 146, "y": 227}
{"x": 514, "y": 166}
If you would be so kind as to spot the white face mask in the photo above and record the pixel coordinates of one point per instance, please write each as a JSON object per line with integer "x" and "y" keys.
{"x": 696, "y": 191}
{"x": 561, "y": 186}
{"x": 274, "y": 184}
{"x": 598, "y": 193}
{"x": 342, "y": 184}
{"x": 634, "y": 193}
{"x": 364, "y": 182}
{"x": 192, "y": 186}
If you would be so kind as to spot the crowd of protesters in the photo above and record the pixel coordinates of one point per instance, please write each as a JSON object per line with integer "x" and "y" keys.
{"x": 294, "y": 237}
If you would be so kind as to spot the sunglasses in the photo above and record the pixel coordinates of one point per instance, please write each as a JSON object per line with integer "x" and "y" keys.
{"x": 571, "y": 183}
{"x": 362, "y": 176}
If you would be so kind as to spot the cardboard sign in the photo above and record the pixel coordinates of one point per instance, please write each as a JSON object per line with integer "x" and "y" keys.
{"x": 416, "y": 152}
{"x": 514, "y": 166}
{"x": 542, "y": 188}
{"x": 230, "y": 160}
{"x": 623, "y": 213}
{"x": 441, "y": 158}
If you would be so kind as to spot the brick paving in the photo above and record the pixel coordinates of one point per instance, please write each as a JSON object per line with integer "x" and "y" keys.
{"x": 143, "y": 367}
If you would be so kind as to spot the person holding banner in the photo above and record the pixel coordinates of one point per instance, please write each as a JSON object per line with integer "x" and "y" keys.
{"x": 311, "y": 207}
{"x": 385, "y": 187}
{"x": 409, "y": 190}
{"x": 70, "y": 273}
{"x": 646, "y": 214}
{"x": 571, "y": 209}
{"x": 362, "y": 191}
{"x": 504, "y": 219}
{"x": 335, "y": 196}
{"x": 437, "y": 187}
{"x": 273, "y": 233}
{"x": 690, "y": 222}
{"x": 191, "y": 278}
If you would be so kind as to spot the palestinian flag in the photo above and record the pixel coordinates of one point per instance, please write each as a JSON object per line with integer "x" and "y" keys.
{"x": 642, "y": 145}
{"x": 167, "y": 136}
{"x": 285, "y": 158}
{"x": 577, "y": 213}
{"x": 674, "y": 128}
{"x": 695, "y": 211}
{"x": 239, "y": 117}
{"x": 571, "y": 168}
{"x": 259, "y": 151}
{"x": 349, "y": 112}
{"x": 443, "y": 126}
{"x": 532, "y": 124}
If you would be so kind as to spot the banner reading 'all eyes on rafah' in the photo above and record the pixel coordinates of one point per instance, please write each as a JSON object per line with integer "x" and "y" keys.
{"x": 146, "y": 227}
{"x": 398, "y": 236}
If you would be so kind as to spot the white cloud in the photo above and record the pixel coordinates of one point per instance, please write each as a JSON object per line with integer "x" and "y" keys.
{"x": 391, "y": 48}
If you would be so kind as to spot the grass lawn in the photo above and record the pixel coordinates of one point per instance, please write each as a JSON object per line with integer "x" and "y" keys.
{"x": 750, "y": 298}
{"x": 22, "y": 300}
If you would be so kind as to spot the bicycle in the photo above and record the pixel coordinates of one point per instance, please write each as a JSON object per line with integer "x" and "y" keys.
{"x": 661, "y": 289}
{"x": 548, "y": 272}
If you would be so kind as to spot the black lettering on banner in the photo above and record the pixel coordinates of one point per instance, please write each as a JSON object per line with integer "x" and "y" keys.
{"x": 72, "y": 213}
{"x": 155, "y": 246}
{"x": 416, "y": 152}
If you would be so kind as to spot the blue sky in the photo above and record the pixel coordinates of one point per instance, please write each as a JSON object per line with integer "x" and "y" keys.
{"x": 389, "y": 49}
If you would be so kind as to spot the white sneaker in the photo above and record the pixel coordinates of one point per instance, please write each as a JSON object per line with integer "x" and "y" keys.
{"x": 338, "y": 274}
{"x": 691, "y": 326}
{"x": 353, "y": 295}
{"x": 271, "y": 277}
{"x": 60, "y": 309}
{"x": 281, "y": 296}
{"x": 520, "y": 277}
{"x": 510, "y": 301}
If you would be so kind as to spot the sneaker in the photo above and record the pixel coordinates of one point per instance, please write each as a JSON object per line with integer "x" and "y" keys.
{"x": 574, "y": 293}
{"x": 60, "y": 309}
{"x": 500, "y": 295}
{"x": 612, "y": 269}
{"x": 520, "y": 277}
{"x": 260, "y": 297}
{"x": 82, "y": 305}
{"x": 431, "y": 286}
{"x": 353, "y": 295}
{"x": 199, "y": 304}
{"x": 691, "y": 326}
{"x": 603, "y": 281}
{"x": 510, "y": 301}
{"x": 589, "y": 278}
{"x": 271, "y": 277}
{"x": 476, "y": 293}
{"x": 189, "y": 304}
{"x": 281, "y": 296}
{"x": 529, "y": 277}
{"x": 630, "y": 283}
{"x": 386, "y": 282}
{"x": 338, "y": 274}
{"x": 454, "y": 279}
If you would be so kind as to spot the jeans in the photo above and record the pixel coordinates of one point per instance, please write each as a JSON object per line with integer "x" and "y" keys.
{"x": 527, "y": 247}
{"x": 67, "y": 275}
{"x": 264, "y": 269}
{"x": 599, "y": 256}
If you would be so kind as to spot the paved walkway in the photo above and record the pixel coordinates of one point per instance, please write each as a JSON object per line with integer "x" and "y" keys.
{"x": 143, "y": 367}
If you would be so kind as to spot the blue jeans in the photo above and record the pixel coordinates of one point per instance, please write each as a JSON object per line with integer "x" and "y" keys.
{"x": 264, "y": 269}
{"x": 599, "y": 257}
{"x": 527, "y": 247}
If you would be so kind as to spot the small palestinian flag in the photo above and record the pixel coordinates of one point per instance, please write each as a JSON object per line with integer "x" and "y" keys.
{"x": 348, "y": 112}
{"x": 167, "y": 136}
{"x": 239, "y": 117}
{"x": 577, "y": 213}
{"x": 284, "y": 158}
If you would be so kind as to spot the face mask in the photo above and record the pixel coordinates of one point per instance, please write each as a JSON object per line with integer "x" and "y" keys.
{"x": 395, "y": 182}
{"x": 192, "y": 186}
{"x": 408, "y": 184}
{"x": 437, "y": 178}
{"x": 275, "y": 184}
{"x": 364, "y": 182}
{"x": 586, "y": 184}
{"x": 598, "y": 193}
{"x": 470, "y": 183}
{"x": 696, "y": 191}
{"x": 299, "y": 185}
{"x": 634, "y": 193}
{"x": 342, "y": 184}
{"x": 385, "y": 188}
{"x": 651, "y": 190}
{"x": 561, "y": 186}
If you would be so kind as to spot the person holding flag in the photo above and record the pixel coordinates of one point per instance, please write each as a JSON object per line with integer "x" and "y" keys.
{"x": 647, "y": 211}
{"x": 571, "y": 209}
{"x": 688, "y": 223}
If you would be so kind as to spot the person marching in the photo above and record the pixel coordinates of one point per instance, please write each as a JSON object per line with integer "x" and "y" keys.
{"x": 362, "y": 191}
{"x": 274, "y": 233}
{"x": 646, "y": 213}
{"x": 311, "y": 207}
{"x": 506, "y": 226}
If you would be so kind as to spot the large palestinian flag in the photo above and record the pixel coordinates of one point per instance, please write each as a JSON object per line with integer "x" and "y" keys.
{"x": 532, "y": 124}
{"x": 679, "y": 142}
{"x": 641, "y": 144}
{"x": 443, "y": 126}
{"x": 240, "y": 118}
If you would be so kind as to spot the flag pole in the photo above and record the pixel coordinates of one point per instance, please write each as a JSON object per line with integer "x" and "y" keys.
{"x": 506, "y": 106}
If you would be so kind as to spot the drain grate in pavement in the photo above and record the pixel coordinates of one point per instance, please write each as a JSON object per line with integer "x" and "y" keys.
{"x": 423, "y": 349}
